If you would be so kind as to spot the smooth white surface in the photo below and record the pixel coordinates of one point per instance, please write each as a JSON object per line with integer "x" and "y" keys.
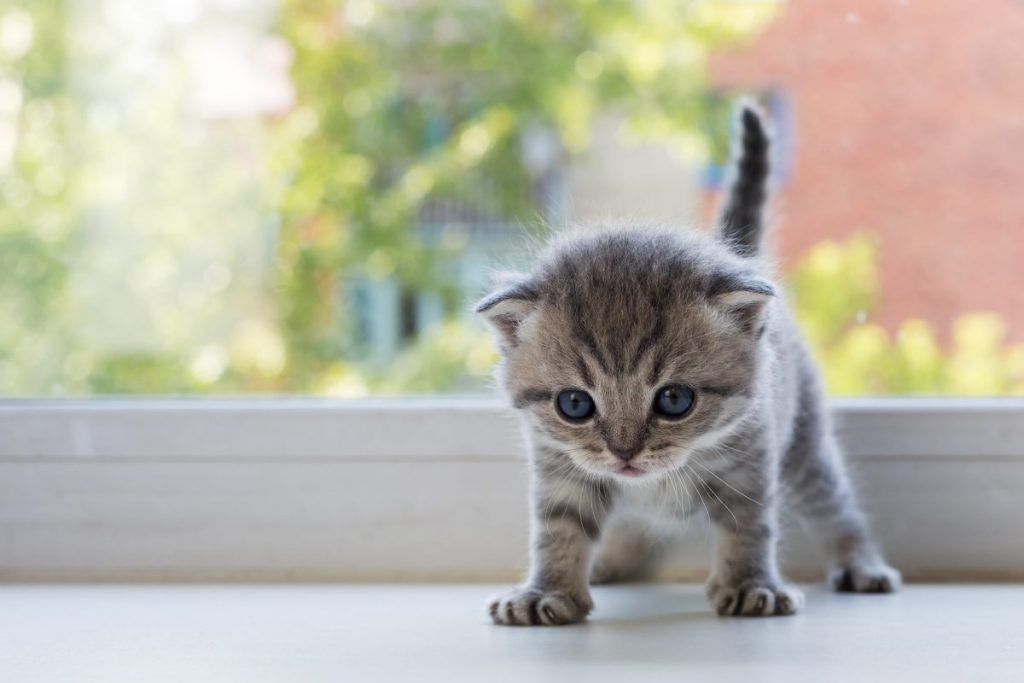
{"x": 307, "y": 634}
{"x": 303, "y": 429}
{"x": 429, "y": 489}
{"x": 427, "y": 520}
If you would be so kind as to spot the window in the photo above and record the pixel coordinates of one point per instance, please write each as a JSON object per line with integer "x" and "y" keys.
{"x": 303, "y": 197}
{"x": 284, "y": 197}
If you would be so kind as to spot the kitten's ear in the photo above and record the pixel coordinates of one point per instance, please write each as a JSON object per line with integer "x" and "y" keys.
{"x": 742, "y": 296}
{"x": 506, "y": 308}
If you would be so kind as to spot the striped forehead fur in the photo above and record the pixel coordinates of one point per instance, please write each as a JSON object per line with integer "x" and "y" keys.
{"x": 625, "y": 291}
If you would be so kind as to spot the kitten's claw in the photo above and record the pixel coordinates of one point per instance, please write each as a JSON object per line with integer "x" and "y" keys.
{"x": 754, "y": 599}
{"x": 866, "y": 578}
{"x": 526, "y": 606}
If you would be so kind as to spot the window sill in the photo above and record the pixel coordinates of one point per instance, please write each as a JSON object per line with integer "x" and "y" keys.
{"x": 440, "y": 634}
{"x": 433, "y": 428}
{"x": 427, "y": 489}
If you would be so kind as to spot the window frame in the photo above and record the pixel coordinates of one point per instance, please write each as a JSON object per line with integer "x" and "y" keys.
{"x": 426, "y": 488}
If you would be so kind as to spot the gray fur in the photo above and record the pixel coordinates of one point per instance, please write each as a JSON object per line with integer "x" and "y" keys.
{"x": 741, "y": 222}
{"x": 619, "y": 311}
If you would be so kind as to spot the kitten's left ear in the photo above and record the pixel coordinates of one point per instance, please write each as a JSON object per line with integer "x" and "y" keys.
{"x": 744, "y": 297}
{"x": 507, "y": 307}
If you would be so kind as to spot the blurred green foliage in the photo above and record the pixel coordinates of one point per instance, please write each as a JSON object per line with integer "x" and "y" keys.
{"x": 397, "y": 105}
{"x": 34, "y": 225}
{"x": 835, "y": 290}
{"x": 412, "y": 102}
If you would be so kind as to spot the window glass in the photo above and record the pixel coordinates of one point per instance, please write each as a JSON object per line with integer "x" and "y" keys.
{"x": 306, "y": 196}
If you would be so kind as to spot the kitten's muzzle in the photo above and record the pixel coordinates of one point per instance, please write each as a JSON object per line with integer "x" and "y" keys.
{"x": 625, "y": 454}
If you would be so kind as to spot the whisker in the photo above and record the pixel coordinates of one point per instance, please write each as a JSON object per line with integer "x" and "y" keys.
{"x": 721, "y": 502}
{"x": 678, "y": 483}
{"x": 686, "y": 472}
{"x": 756, "y": 502}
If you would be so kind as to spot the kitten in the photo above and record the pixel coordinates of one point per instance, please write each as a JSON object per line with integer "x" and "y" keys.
{"x": 658, "y": 375}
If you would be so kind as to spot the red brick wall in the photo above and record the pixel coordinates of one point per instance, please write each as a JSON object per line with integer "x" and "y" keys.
{"x": 908, "y": 124}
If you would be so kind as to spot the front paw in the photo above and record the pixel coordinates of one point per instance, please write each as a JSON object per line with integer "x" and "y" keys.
{"x": 754, "y": 598}
{"x": 528, "y": 606}
{"x": 874, "y": 577}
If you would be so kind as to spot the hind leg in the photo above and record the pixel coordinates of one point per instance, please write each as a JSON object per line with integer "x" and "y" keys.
{"x": 627, "y": 551}
{"x": 817, "y": 482}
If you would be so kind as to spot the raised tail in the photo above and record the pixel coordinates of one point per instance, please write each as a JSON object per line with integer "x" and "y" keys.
{"x": 741, "y": 220}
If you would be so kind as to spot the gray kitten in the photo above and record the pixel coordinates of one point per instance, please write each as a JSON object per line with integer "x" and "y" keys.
{"x": 659, "y": 375}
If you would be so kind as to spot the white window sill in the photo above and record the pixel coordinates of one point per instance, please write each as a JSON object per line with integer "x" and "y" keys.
{"x": 427, "y": 489}
{"x": 433, "y": 428}
{"x": 440, "y": 634}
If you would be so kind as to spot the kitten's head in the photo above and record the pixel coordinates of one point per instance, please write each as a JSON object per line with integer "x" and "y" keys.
{"x": 630, "y": 349}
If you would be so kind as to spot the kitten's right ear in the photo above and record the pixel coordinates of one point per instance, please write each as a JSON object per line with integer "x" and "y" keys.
{"x": 743, "y": 297}
{"x": 505, "y": 309}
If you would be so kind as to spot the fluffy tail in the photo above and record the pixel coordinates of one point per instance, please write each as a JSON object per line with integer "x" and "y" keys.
{"x": 742, "y": 217}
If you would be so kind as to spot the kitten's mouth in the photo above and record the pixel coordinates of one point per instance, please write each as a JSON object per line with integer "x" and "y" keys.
{"x": 630, "y": 471}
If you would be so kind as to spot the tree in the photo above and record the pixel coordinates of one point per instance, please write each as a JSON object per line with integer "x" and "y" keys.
{"x": 34, "y": 196}
{"x": 403, "y": 103}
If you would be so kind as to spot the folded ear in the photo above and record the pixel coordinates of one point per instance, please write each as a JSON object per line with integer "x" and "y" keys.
{"x": 506, "y": 308}
{"x": 744, "y": 297}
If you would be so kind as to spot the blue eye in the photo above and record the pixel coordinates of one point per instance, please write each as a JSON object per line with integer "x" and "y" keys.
{"x": 673, "y": 400}
{"x": 575, "y": 404}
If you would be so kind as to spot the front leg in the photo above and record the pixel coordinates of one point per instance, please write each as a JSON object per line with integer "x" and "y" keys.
{"x": 567, "y": 514}
{"x": 746, "y": 580}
